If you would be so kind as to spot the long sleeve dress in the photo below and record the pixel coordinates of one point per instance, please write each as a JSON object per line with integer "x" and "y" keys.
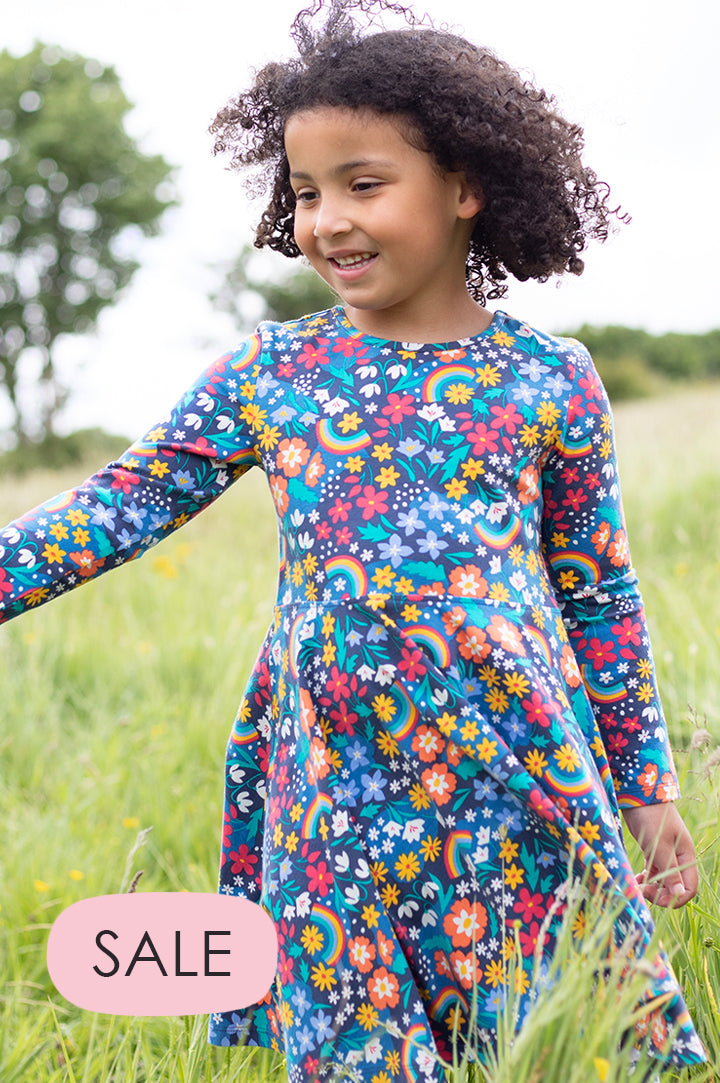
{"x": 455, "y": 695}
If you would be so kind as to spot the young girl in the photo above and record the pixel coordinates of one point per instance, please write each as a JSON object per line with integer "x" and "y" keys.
{"x": 456, "y": 694}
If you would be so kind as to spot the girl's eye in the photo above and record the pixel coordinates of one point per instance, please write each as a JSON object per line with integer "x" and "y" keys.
{"x": 305, "y": 197}
{"x": 366, "y": 186}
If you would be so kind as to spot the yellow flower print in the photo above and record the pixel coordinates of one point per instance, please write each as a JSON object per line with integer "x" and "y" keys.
{"x": 387, "y": 744}
{"x": 567, "y": 758}
{"x": 456, "y": 488}
{"x": 547, "y": 412}
{"x": 349, "y": 422}
{"x": 383, "y": 577}
{"x": 291, "y": 842}
{"x": 53, "y": 553}
{"x": 499, "y": 593}
{"x": 384, "y": 707}
{"x": 390, "y": 895}
{"x": 59, "y": 531}
{"x": 382, "y": 452}
{"x": 459, "y": 394}
{"x": 516, "y": 684}
{"x": 323, "y": 977}
{"x": 473, "y": 468}
{"x": 529, "y": 435}
{"x": 388, "y": 476}
{"x": 496, "y": 700}
{"x": 488, "y": 376}
{"x": 367, "y": 1017}
{"x": 254, "y": 416}
{"x": 159, "y": 469}
{"x": 312, "y": 939}
{"x": 419, "y": 797}
{"x": 430, "y": 848}
{"x": 535, "y": 762}
{"x": 514, "y": 875}
{"x": 407, "y": 866}
{"x": 269, "y": 437}
{"x": 508, "y": 850}
{"x": 404, "y": 585}
{"x": 379, "y": 871}
{"x": 354, "y": 464}
{"x": 486, "y": 750}
{"x": 494, "y": 973}
{"x": 560, "y": 540}
{"x": 76, "y": 517}
{"x": 370, "y": 915}
{"x": 502, "y": 338}
{"x": 645, "y": 692}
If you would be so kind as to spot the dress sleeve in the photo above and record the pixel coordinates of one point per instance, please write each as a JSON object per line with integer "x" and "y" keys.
{"x": 586, "y": 552}
{"x": 161, "y": 482}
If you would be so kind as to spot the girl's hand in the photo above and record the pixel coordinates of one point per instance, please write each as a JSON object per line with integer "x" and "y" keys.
{"x": 670, "y": 876}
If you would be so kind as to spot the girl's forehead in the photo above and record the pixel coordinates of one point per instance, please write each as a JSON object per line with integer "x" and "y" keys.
{"x": 340, "y": 125}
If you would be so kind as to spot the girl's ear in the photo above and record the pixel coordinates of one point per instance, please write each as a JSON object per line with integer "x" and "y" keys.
{"x": 470, "y": 201}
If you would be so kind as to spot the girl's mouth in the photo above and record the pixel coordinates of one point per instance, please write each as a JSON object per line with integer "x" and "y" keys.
{"x": 352, "y": 265}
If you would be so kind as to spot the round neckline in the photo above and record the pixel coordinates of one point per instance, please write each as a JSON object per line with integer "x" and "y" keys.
{"x": 498, "y": 319}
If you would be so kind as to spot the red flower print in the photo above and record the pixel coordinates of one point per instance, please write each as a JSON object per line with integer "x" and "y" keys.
{"x": 537, "y": 710}
{"x": 575, "y": 408}
{"x": 324, "y": 530}
{"x": 529, "y": 906}
{"x": 242, "y": 860}
{"x": 339, "y": 510}
{"x": 627, "y": 632}
{"x": 482, "y": 439}
{"x": 616, "y": 743}
{"x": 632, "y": 725}
{"x": 398, "y": 407}
{"x": 5, "y": 584}
{"x": 124, "y": 480}
{"x": 531, "y": 939}
{"x": 541, "y": 804}
{"x": 338, "y": 684}
{"x": 320, "y": 878}
{"x": 311, "y": 355}
{"x": 600, "y": 654}
{"x": 574, "y": 498}
{"x": 285, "y": 967}
{"x": 344, "y": 535}
{"x": 286, "y": 369}
{"x": 506, "y": 417}
{"x": 591, "y": 386}
{"x": 344, "y": 720}
{"x": 373, "y": 502}
{"x": 411, "y": 662}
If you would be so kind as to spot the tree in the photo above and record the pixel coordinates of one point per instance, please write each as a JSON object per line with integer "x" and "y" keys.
{"x": 286, "y": 296}
{"x": 72, "y": 182}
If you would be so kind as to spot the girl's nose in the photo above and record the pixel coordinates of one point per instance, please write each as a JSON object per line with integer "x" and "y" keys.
{"x": 331, "y": 220}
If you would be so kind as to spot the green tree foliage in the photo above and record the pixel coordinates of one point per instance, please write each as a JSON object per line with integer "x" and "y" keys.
{"x": 634, "y": 363}
{"x": 287, "y": 296}
{"x": 72, "y": 182}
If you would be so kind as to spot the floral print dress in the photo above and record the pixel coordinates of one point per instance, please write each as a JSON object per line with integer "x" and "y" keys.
{"x": 456, "y": 692}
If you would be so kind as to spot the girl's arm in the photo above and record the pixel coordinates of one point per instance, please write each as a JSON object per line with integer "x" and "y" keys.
{"x": 588, "y": 560}
{"x": 162, "y": 481}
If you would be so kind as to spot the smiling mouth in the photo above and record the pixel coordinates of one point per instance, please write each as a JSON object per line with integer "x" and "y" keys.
{"x": 354, "y": 262}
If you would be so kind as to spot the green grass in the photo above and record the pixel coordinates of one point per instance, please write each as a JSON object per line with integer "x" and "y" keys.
{"x": 117, "y": 702}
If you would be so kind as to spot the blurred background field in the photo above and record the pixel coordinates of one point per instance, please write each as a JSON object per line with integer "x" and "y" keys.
{"x": 117, "y": 703}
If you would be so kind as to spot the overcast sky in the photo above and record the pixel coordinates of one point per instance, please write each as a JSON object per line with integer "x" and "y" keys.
{"x": 640, "y": 76}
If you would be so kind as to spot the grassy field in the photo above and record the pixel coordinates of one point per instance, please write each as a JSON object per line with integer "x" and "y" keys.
{"x": 117, "y": 702}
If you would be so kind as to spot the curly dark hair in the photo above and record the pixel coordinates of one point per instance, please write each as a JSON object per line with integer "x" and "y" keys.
{"x": 462, "y": 104}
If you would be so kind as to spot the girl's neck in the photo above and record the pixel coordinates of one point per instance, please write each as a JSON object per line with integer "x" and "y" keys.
{"x": 465, "y": 321}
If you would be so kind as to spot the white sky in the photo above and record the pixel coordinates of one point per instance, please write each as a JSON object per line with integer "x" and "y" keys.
{"x": 639, "y": 75}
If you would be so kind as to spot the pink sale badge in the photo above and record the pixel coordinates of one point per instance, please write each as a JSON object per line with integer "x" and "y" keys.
{"x": 163, "y": 953}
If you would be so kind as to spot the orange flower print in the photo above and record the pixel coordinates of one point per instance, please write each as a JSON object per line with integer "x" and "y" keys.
{"x": 528, "y": 487}
{"x": 428, "y": 743}
{"x": 468, "y": 582}
{"x": 362, "y": 953}
{"x": 473, "y": 644}
{"x": 507, "y": 635}
{"x": 453, "y": 618}
{"x": 439, "y": 783}
{"x": 601, "y": 537}
{"x": 668, "y": 788}
{"x": 279, "y": 493}
{"x": 383, "y": 988}
{"x": 292, "y": 455}
{"x": 307, "y": 711}
{"x": 619, "y": 552}
{"x": 569, "y": 667}
{"x": 465, "y": 968}
{"x": 314, "y": 470}
{"x": 318, "y": 762}
{"x": 648, "y": 778}
{"x": 466, "y": 922}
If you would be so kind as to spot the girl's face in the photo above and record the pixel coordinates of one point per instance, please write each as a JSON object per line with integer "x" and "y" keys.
{"x": 384, "y": 228}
